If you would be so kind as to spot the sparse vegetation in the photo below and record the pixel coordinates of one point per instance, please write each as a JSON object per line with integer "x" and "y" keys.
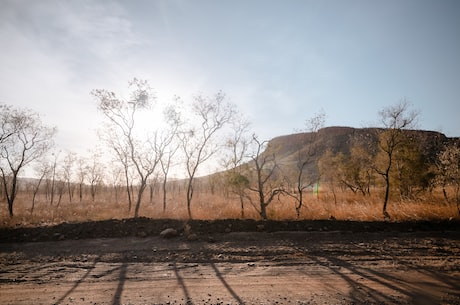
{"x": 328, "y": 173}
{"x": 208, "y": 206}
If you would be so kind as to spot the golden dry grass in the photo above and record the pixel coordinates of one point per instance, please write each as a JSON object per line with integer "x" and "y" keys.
{"x": 205, "y": 205}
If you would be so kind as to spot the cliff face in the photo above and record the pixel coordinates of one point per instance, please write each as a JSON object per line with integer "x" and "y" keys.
{"x": 288, "y": 148}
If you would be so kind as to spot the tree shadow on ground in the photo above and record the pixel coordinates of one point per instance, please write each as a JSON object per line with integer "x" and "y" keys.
{"x": 367, "y": 285}
{"x": 78, "y": 282}
{"x": 121, "y": 283}
{"x": 182, "y": 284}
{"x": 226, "y": 285}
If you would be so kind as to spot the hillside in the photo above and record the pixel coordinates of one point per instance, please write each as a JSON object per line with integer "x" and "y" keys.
{"x": 288, "y": 148}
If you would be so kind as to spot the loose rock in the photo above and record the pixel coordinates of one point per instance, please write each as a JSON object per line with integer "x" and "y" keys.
{"x": 168, "y": 233}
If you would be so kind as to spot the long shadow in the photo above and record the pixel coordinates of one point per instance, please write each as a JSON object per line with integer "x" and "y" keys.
{"x": 181, "y": 282}
{"x": 227, "y": 286}
{"x": 358, "y": 290}
{"x": 77, "y": 283}
{"x": 361, "y": 292}
{"x": 121, "y": 283}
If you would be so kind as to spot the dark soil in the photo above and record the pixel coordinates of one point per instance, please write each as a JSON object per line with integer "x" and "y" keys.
{"x": 143, "y": 227}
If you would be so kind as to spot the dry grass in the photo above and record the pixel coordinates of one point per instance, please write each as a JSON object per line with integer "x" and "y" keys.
{"x": 346, "y": 206}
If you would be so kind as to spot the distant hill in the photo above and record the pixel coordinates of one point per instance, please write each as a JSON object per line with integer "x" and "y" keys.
{"x": 287, "y": 148}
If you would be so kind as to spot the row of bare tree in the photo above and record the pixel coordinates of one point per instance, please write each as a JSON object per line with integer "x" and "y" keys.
{"x": 209, "y": 131}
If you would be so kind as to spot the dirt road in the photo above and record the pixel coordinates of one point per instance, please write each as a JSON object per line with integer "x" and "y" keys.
{"x": 236, "y": 268}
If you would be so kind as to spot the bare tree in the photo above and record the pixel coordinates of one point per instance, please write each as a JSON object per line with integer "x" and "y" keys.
{"x": 394, "y": 119}
{"x": 51, "y": 181}
{"x": 198, "y": 142}
{"x": 94, "y": 173}
{"x": 42, "y": 169}
{"x": 23, "y": 139}
{"x": 306, "y": 159}
{"x": 67, "y": 172}
{"x": 81, "y": 176}
{"x": 237, "y": 146}
{"x": 265, "y": 172}
{"x": 129, "y": 149}
{"x": 122, "y": 156}
{"x": 117, "y": 181}
{"x": 168, "y": 145}
{"x": 329, "y": 168}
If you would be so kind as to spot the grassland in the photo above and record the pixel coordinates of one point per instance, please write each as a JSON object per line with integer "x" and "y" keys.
{"x": 207, "y": 205}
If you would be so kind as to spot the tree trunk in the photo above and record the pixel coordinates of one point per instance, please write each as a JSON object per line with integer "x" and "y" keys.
{"x": 80, "y": 191}
{"x": 189, "y": 197}
{"x": 164, "y": 193}
{"x": 263, "y": 211}
{"x": 12, "y": 195}
{"x": 128, "y": 191}
{"x": 36, "y": 191}
{"x": 242, "y": 206}
{"x": 298, "y": 207}
{"x": 10, "y": 207}
{"x": 151, "y": 187}
{"x": 139, "y": 198}
{"x": 70, "y": 191}
{"x": 387, "y": 194}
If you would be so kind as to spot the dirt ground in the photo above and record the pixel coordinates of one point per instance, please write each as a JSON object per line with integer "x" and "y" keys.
{"x": 231, "y": 262}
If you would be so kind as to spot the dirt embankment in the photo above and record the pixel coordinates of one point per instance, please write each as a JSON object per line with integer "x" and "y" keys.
{"x": 143, "y": 227}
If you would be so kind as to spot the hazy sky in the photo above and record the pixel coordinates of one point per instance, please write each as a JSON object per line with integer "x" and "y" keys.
{"x": 279, "y": 61}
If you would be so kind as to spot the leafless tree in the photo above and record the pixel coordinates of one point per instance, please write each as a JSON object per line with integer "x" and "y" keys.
{"x": 329, "y": 168}
{"x": 237, "y": 147}
{"x": 52, "y": 179}
{"x": 169, "y": 144}
{"x": 199, "y": 143}
{"x": 394, "y": 119}
{"x": 42, "y": 169}
{"x": 94, "y": 173}
{"x": 23, "y": 139}
{"x": 120, "y": 136}
{"x": 81, "y": 176}
{"x": 306, "y": 159}
{"x": 265, "y": 176}
{"x": 122, "y": 156}
{"x": 117, "y": 181}
{"x": 67, "y": 172}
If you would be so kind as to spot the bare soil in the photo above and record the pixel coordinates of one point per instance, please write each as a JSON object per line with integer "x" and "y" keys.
{"x": 231, "y": 262}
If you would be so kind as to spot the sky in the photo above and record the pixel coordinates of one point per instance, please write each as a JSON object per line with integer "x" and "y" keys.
{"x": 280, "y": 62}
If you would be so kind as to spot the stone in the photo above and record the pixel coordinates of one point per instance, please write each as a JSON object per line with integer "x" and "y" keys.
{"x": 168, "y": 233}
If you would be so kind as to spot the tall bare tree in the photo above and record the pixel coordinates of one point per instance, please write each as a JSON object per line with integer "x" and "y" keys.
{"x": 395, "y": 119}
{"x": 42, "y": 170}
{"x": 168, "y": 145}
{"x": 94, "y": 173}
{"x": 266, "y": 187}
{"x": 237, "y": 146}
{"x": 199, "y": 143}
{"x": 329, "y": 167}
{"x": 67, "y": 172}
{"x": 23, "y": 139}
{"x": 81, "y": 176}
{"x": 120, "y": 136}
{"x": 51, "y": 181}
{"x": 306, "y": 159}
